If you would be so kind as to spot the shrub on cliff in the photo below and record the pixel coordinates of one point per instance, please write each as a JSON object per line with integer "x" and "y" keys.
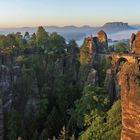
{"x": 121, "y": 47}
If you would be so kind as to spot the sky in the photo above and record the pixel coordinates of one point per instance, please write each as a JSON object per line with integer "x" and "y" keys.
{"x": 27, "y": 13}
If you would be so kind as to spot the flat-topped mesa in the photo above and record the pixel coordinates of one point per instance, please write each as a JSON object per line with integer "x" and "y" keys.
{"x": 116, "y": 24}
{"x": 135, "y": 43}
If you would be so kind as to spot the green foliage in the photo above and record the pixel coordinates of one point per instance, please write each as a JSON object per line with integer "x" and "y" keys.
{"x": 32, "y": 41}
{"x": 98, "y": 128}
{"x": 57, "y": 43}
{"x": 13, "y": 124}
{"x": 120, "y": 47}
{"x": 72, "y": 47}
{"x": 43, "y": 135}
{"x": 20, "y": 60}
{"x": 91, "y": 117}
{"x": 102, "y": 68}
{"x": 113, "y": 124}
{"x": 3, "y": 42}
{"x": 49, "y": 91}
{"x": 42, "y": 37}
{"x": 93, "y": 99}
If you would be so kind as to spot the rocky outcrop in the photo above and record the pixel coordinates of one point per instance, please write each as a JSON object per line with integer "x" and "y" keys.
{"x": 135, "y": 43}
{"x": 110, "y": 85}
{"x": 102, "y": 41}
{"x": 129, "y": 81}
{"x": 4, "y": 78}
{"x": 92, "y": 77}
{"x": 94, "y": 45}
{"x": 89, "y": 44}
{"x": 132, "y": 40}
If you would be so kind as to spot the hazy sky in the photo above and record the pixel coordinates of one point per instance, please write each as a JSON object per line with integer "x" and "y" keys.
{"x": 16, "y": 13}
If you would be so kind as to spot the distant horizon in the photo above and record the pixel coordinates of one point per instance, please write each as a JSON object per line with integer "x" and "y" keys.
{"x": 61, "y": 26}
{"x": 33, "y": 13}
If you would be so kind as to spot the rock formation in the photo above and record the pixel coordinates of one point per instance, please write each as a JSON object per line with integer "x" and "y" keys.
{"x": 92, "y": 77}
{"x": 89, "y": 44}
{"x": 132, "y": 40}
{"x": 135, "y": 43}
{"x": 129, "y": 81}
{"x": 116, "y": 24}
{"x": 102, "y": 41}
{"x": 110, "y": 85}
{"x": 95, "y": 45}
{"x": 113, "y": 27}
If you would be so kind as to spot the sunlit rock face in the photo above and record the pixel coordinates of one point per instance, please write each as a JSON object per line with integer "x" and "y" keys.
{"x": 102, "y": 41}
{"x": 129, "y": 81}
{"x": 97, "y": 44}
{"x": 135, "y": 43}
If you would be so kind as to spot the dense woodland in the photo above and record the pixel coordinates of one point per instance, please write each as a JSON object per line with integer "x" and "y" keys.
{"x": 51, "y": 98}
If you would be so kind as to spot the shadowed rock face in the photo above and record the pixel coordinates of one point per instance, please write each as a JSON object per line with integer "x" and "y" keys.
{"x": 129, "y": 82}
{"x": 110, "y": 85}
{"x": 135, "y": 43}
{"x": 132, "y": 40}
{"x": 92, "y": 78}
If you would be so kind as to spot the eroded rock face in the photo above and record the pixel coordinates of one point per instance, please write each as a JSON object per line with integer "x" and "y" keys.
{"x": 135, "y": 43}
{"x": 110, "y": 85}
{"x": 102, "y": 41}
{"x": 129, "y": 81}
{"x": 132, "y": 41}
{"x": 102, "y": 37}
{"x": 97, "y": 44}
{"x": 89, "y": 44}
{"x": 92, "y": 77}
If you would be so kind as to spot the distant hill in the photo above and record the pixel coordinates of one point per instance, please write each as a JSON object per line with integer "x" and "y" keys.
{"x": 74, "y": 32}
{"x": 114, "y": 27}
{"x": 136, "y": 26}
